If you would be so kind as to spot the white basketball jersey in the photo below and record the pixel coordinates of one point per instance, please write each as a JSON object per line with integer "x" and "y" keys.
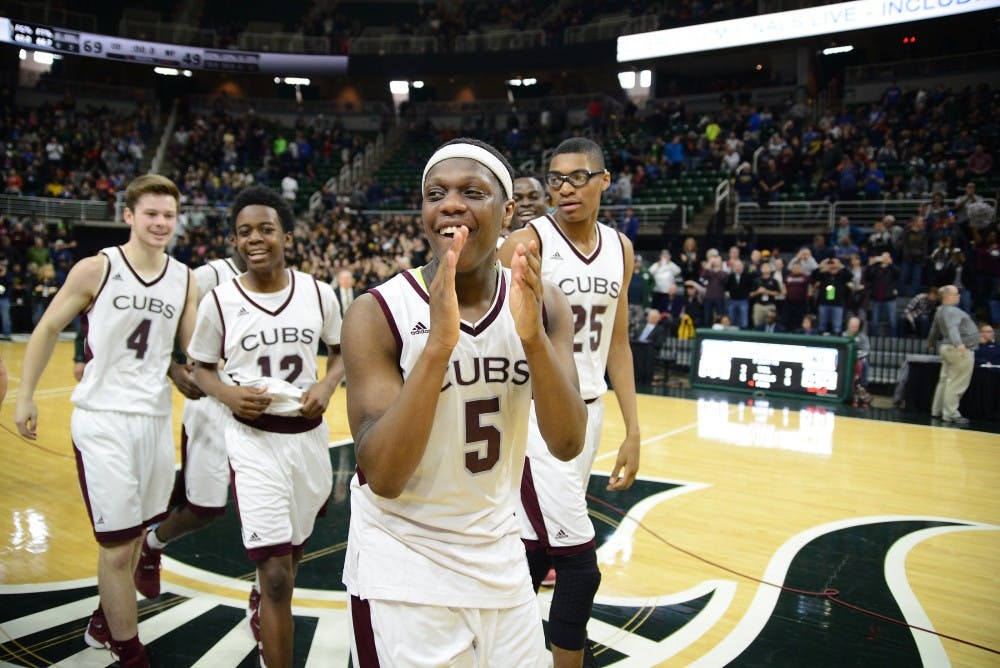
{"x": 592, "y": 284}
{"x": 274, "y": 335}
{"x": 129, "y": 337}
{"x": 451, "y": 538}
{"x": 213, "y": 273}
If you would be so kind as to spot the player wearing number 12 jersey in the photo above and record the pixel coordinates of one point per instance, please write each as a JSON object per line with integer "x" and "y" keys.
{"x": 442, "y": 363}
{"x": 266, "y": 325}
{"x": 135, "y": 300}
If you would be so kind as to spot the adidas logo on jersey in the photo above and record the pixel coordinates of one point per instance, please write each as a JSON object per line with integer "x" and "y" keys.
{"x": 419, "y": 328}
{"x": 561, "y": 534}
{"x": 555, "y": 256}
{"x": 100, "y": 520}
{"x": 117, "y": 277}
{"x": 242, "y": 311}
{"x": 254, "y": 538}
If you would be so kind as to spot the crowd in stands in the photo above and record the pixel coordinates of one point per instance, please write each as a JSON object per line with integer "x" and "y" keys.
{"x": 951, "y": 135}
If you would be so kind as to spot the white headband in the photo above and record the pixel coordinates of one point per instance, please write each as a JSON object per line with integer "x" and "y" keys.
{"x": 472, "y": 152}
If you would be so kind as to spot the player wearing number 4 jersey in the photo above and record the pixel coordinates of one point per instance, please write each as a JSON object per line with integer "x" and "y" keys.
{"x": 591, "y": 263}
{"x": 442, "y": 363}
{"x": 135, "y": 300}
{"x": 266, "y": 326}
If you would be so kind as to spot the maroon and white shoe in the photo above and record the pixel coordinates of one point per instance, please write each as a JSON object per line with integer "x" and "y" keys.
{"x": 147, "y": 571}
{"x": 98, "y": 635}
{"x": 550, "y": 578}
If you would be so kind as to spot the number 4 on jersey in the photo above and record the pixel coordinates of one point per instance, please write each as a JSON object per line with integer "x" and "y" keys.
{"x": 138, "y": 340}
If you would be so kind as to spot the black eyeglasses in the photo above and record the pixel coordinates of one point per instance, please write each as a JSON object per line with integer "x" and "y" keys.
{"x": 577, "y": 179}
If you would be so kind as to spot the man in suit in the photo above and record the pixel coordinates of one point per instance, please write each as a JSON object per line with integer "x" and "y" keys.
{"x": 647, "y": 344}
{"x": 771, "y": 324}
{"x": 345, "y": 290}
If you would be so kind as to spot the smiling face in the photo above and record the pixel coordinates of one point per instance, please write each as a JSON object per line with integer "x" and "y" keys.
{"x": 260, "y": 240}
{"x": 530, "y": 199}
{"x": 154, "y": 219}
{"x": 577, "y": 205}
{"x": 462, "y": 191}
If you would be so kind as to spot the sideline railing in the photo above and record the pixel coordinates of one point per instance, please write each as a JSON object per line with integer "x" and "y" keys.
{"x": 811, "y": 214}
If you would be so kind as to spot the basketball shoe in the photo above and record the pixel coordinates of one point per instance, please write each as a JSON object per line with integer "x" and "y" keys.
{"x": 98, "y": 635}
{"x": 147, "y": 571}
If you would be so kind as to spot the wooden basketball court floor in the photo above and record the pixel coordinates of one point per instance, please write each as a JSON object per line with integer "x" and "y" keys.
{"x": 735, "y": 499}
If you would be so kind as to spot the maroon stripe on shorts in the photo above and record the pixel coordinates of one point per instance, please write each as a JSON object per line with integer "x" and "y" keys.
{"x": 529, "y": 500}
{"x": 268, "y": 551}
{"x": 364, "y": 634}
{"x": 101, "y": 536}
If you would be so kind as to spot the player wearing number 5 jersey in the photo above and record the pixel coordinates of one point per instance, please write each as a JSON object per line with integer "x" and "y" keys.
{"x": 135, "y": 300}
{"x": 591, "y": 264}
{"x": 266, "y": 326}
{"x": 442, "y": 363}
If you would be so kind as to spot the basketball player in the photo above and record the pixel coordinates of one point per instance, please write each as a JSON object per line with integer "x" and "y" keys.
{"x": 266, "y": 326}
{"x": 592, "y": 264}
{"x": 134, "y": 300}
{"x": 199, "y": 495}
{"x": 530, "y": 198}
{"x": 442, "y": 362}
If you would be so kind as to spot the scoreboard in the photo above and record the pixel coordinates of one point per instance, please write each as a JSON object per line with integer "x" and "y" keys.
{"x": 817, "y": 367}
{"x": 73, "y": 42}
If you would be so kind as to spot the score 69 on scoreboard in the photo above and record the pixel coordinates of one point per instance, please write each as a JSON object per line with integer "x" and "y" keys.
{"x": 158, "y": 54}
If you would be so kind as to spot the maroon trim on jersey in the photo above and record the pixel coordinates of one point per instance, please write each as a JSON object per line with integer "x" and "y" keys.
{"x": 583, "y": 258}
{"x": 291, "y": 293}
{"x": 392, "y": 323}
{"x": 100, "y": 288}
{"x": 621, "y": 247}
{"x": 590, "y": 401}
{"x": 281, "y": 424}
{"x": 533, "y": 510}
{"x": 364, "y": 633}
{"x": 408, "y": 275}
{"x": 361, "y": 475}
{"x": 88, "y": 354}
{"x": 537, "y": 234}
{"x": 232, "y": 266}
{"x": 494, "y": 311}
{"x": 319, "y": 300}
{"x": 218, "y": 279}
{"x": 222, "y": 319}
{"x": 166, "y": 266}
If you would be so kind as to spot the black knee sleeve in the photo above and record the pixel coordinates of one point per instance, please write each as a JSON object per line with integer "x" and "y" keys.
{"x": 577, "y": 580}
{"x": 539, "y": 563}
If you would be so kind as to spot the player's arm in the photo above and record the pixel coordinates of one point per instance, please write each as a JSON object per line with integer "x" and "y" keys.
{"x": 562, "y": 415}
{"x": 182, "y": 374}
{"x": 390, "y": 419}
{"x": 523, "y": 236}
{"x": 317, "y": 397}
{"x": 73, "y": 297}
{"x": 622, "y": 377}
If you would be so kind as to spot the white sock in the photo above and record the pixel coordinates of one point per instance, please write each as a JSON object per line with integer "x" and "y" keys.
{"x": 153, "y": 540}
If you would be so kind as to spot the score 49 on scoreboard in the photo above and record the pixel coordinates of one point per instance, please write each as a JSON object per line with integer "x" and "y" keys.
{"x": 818, "y": 367}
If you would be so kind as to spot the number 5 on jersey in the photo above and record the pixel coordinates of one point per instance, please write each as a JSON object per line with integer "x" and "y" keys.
{"x": 476, "y": 461}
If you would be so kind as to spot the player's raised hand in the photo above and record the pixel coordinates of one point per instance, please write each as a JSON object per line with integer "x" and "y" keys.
{"x": 526, "y": 290}
{"x": 445, "y": 318}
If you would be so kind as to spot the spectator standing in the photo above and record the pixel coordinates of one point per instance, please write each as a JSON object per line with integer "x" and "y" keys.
{"x": 920, "y": 311}
{"x": 882, "y": 279}
{"x": 665, "y": 273}
{"x": 796, "y": 294}
{"x": 831, "y": 286}
{"x": 914, "y": 253}
{"x": 739, "y": 284}
{"x": 956, "y": 337}
{"x": 765, "y": 293}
